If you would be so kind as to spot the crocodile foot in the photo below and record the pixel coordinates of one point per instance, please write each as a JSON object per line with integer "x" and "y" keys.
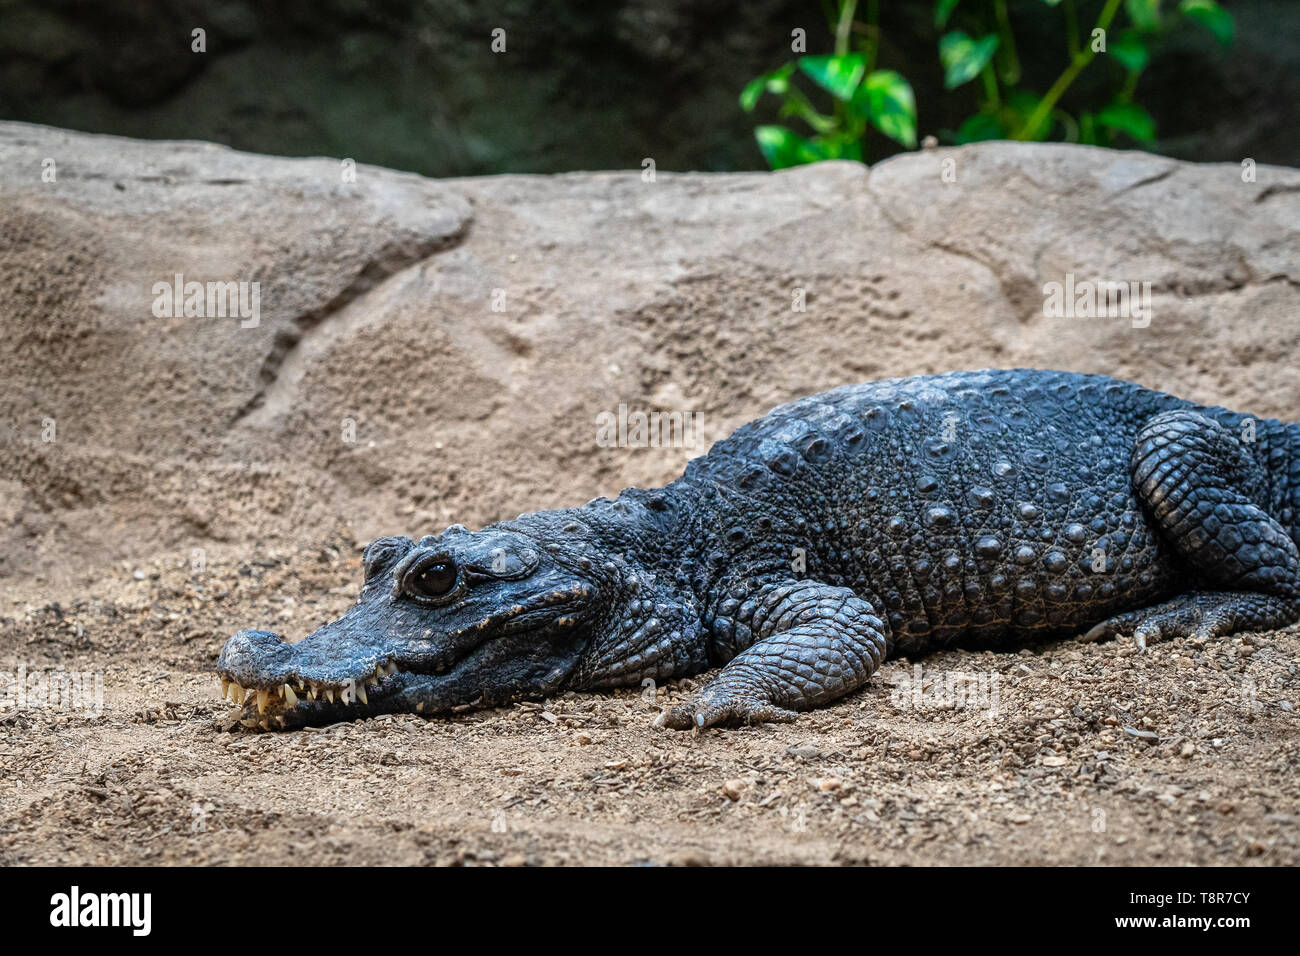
{"x": 723, "y": 706}
{"x": 1200, "y": 614}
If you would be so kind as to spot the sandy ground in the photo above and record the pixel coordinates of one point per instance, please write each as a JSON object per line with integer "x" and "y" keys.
{"x": 1069, "y": 753}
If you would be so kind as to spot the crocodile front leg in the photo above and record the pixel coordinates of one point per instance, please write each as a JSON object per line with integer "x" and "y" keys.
{"x": 814, "y": 643}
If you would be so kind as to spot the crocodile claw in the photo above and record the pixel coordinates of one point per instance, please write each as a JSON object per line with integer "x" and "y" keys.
{"x": 710, "y": 709}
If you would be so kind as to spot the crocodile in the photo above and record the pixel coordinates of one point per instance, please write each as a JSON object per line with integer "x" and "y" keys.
{"x": 985, "y": 509}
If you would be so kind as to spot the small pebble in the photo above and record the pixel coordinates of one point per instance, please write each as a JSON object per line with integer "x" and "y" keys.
{"x": 1147, "y": 735}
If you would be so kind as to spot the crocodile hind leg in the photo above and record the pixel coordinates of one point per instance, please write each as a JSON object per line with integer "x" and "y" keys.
{"x": 1208, "y": 496}
{"x": 814, "y": 643}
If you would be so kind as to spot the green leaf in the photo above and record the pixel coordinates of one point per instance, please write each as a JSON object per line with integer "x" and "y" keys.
{"x": 1129, "y": 118}
{"x": 750, "y": 94}
{"x": 980, "y": 127}
{"x": 1145, "y": 14}
{"x": 887, "y": 100}
{"x": 783, "y": 148}
{"x": 840, "y": 75}
{"x": 942, "y": 11}
{"x": 1131, "y": 51}
{"x": 777, "y": 81}
{"x": 964, "y": 57}
{"x": 842, "y": 146}
{"x": 1211, "y": 16}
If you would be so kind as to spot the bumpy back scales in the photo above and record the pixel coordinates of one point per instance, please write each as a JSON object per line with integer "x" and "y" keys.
{"x": 980, "y": 507}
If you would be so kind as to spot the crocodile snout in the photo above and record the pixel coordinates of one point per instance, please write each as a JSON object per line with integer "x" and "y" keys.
{"x": 255, "y": 659}
{"x": 286, "y": 683}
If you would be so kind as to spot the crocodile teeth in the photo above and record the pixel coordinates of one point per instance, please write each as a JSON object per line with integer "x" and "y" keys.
{"x": 353, "y": 692}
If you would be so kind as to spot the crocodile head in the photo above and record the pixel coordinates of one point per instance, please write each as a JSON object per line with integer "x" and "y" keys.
{"x": 452, "y": 622}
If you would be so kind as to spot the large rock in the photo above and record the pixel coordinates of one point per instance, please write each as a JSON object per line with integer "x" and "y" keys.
{"x": 466, "y": 333}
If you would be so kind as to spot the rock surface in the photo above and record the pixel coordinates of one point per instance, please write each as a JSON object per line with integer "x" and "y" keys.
{"x": 438, "y": 351}
{"x": 469, "y": 331}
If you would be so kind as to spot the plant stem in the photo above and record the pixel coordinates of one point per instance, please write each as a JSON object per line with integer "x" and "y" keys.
{"x": 1011, "y": 62}
{"x": 796, "y": 104}
{"x": 1130, "y": 87}
{"x": 1071, "y": 28}
{"x": 847, "y": 9}
{"x": 1081, "y": 59}
{"x": 843, "y": 29}
{"x": 991, "y": 86}
{"x": 873, "y": 33}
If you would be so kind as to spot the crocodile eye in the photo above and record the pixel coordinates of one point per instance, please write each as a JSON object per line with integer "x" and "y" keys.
{"x": 435, "y": 581}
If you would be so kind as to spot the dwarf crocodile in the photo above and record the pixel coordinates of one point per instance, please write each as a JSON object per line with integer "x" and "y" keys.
{"x": 979, "y": 509}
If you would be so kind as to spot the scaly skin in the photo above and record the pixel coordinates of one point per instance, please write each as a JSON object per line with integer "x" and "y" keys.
{"x": 975, "y": 508}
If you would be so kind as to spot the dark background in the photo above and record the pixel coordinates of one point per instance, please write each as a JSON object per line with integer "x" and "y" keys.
{"x": 413, "y": 84}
